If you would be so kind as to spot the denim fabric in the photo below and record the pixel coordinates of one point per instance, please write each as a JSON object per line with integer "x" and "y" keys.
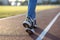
{"x": 31, "y": 9}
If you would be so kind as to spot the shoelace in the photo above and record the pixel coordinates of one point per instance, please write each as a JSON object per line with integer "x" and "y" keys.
{"x": 33, "y": 22}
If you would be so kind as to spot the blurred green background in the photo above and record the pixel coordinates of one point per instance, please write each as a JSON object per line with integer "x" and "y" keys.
{"x": 16, "y": 7}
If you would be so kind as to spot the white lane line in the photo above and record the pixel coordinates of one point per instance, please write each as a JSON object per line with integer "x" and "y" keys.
{"x": 12, "y": 16}
{"x": 42, "y": 35}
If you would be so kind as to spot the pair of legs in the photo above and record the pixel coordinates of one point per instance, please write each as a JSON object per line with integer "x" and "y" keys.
{"x": 31, "y": 16}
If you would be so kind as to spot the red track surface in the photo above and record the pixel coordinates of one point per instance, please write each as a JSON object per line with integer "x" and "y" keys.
{"x": 43, "y": 19}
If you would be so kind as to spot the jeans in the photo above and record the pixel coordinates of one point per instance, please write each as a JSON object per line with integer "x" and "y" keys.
{"x": 31, "y": 9}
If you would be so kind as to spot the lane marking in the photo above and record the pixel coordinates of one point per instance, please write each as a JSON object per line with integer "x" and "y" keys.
{"x": 42, "y": 35}
{"x": 12, "y": 16}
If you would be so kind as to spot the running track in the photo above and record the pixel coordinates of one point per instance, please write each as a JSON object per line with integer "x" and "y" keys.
{"x": 11, "y": 28}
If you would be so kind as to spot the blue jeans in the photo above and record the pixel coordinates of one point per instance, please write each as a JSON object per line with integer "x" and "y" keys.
{"x": 31, "y": 9}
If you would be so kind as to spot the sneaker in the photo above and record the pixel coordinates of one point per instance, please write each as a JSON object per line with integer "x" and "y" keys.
{"x": 31, "y": 31}
{"x": 30, "y": 23}
{"x": 27, "y": 23}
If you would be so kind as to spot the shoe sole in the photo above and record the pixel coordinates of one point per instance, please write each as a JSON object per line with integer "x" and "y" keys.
{"x": 26, "y": 26}
{"x": 29, "y": 32}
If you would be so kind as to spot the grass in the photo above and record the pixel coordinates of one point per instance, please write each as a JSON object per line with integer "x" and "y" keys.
{"x": 6, "y": 11}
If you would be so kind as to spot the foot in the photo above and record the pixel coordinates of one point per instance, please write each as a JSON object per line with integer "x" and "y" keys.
{"x": 30, "y": 23}
{"x": 30, "y": 31}
{"x": 27, "y": 23}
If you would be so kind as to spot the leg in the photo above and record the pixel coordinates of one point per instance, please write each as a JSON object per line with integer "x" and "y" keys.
{"x": 31, "y": 9}
{"x": 31, "y": 15}
{"x": 31, "y": 12}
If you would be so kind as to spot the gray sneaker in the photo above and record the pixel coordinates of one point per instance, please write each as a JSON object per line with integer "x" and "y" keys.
{"x": 30, "y": 23}
{"x": 30, "y": 31}
{"x": 27, "y": 23}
